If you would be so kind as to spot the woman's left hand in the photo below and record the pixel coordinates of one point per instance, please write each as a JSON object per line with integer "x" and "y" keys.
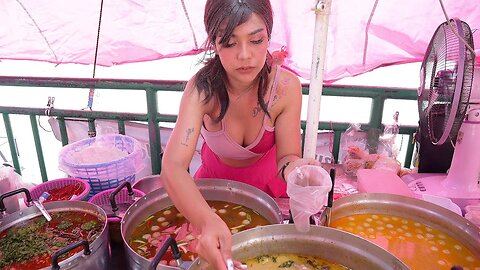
{"x": 301, "y": 162}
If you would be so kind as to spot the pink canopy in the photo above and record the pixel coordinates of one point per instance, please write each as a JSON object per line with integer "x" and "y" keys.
{"x": 363, "y": 35}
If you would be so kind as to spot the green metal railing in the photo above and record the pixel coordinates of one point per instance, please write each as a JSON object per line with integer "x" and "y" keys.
{"x": 153, "y": 117}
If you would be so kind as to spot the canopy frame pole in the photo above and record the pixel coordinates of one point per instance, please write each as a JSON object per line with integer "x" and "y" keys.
{"x": 322, "y": 12}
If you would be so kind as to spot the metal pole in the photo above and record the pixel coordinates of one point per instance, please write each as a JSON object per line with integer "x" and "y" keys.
{"x": 322, "y": 11}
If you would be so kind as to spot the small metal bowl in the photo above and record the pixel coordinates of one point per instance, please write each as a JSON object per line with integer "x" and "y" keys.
{"x": 148, "y": 184}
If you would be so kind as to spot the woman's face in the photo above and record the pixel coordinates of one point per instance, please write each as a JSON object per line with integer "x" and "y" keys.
{"x": 244, "y": 54}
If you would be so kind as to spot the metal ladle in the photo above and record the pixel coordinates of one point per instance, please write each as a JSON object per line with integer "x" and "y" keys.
{"x": 29, "y": 202}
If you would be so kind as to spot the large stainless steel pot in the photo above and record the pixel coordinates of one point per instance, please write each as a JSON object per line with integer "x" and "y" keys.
{"x": 424, "y": 212}
{"x": 99, "y": 258}
{"x": 322, "y": 242}
{"x": 211, "y": 189}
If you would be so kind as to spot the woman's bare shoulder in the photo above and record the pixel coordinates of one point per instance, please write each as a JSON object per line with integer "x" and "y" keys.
{"x": 288, "y": 75}
{"x": 194, "y": 97}
{"x": 288, "y": 83}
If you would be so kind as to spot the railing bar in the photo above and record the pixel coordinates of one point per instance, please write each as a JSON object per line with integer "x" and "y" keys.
{"x": 154, "y": 131}
{"x": 92, "y": 131}
{"x": 336, "y": 144}
{"x": 63, "y": 130}
{"x": 98, "y": 83}
{"x": 303, "y": 136}
{"x": 75, "y": 114}
{"x": 153, "y": 118}
{"x": 366, "y": 92}
{"x": 38, "y": 147}
{"x": 121, "y": 127}
{"x": 409, "y": 153}
{"x": 11, "y": 142}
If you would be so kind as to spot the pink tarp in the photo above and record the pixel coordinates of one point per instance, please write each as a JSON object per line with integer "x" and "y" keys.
{"x": 60, "y": 31}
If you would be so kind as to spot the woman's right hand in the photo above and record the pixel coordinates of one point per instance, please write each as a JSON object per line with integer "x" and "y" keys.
{"x": 214, "y": 243}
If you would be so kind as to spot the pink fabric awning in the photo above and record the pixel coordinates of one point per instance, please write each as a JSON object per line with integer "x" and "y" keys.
{"x": 60, "y": 31}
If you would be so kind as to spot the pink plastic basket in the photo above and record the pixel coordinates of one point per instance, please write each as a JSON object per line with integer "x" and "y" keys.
{"x": 36, "y": 191}
{"x": 103, "y": 199}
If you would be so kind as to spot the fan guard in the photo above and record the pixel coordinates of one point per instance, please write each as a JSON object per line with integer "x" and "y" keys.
{"x": 446, "y": 79}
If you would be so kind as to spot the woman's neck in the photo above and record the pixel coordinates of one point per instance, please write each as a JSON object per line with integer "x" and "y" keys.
{"x": 236, "y": 92}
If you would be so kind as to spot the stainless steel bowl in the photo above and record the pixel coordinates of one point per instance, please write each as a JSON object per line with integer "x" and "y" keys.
{"x": 148, "y": 184}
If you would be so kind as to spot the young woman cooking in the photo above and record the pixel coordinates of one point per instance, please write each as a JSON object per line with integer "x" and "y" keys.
{"x": 248, "y": 112}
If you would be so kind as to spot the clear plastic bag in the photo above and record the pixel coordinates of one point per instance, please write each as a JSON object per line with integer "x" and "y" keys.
{"x": 472, "y": 213}
{"x": 307, "y": 187}
{"x": 387, "y": 139}
{"x": 10, "y": 181}
{"x": 352, "y": 152}
{"x": 357, "y": 153}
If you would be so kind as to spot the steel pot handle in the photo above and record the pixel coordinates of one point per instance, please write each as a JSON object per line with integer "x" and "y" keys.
{"x": 170, "y": 242}
{"x": 11, "y": 193}
{"x": 60, "y": 252}
{"x": 115, "y": 192}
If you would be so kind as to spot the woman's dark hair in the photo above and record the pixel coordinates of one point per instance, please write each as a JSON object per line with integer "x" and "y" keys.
{"x": 225, "y": 15}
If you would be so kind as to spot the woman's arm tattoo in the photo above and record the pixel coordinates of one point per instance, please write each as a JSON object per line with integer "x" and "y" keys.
{"x": 188, "y": 132}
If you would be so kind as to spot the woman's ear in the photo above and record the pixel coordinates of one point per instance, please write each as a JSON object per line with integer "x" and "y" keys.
{"x": 214, "y": 48}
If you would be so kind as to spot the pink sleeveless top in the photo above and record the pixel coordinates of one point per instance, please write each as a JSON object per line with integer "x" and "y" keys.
{"x": 262, "y": 174}
{"x": 224, "y": 146}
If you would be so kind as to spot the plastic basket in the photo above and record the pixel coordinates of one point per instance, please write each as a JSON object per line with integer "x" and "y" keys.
{"x": 105, "y": 175}
{"x": 83, "y": 185}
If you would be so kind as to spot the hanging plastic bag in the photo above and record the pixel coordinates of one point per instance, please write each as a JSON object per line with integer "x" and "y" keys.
{"x": 10, "y": 181}
{"x": 307, "y": 187}
{"x": 352, "y": 149}
{"x": 387, "y": 139}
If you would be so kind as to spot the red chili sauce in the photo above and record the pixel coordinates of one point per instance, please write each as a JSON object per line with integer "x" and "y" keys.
{"x": 64, "y": 193}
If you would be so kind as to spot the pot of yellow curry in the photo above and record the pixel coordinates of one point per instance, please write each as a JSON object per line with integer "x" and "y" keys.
{"x": 421, "y": 234}
{"x": 153, "y": 219}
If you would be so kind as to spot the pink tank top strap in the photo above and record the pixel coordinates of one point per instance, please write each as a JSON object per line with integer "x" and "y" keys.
{"x": 271, "y": 98}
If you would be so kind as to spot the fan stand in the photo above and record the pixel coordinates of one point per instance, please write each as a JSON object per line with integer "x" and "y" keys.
{"x": 462, "y": 181}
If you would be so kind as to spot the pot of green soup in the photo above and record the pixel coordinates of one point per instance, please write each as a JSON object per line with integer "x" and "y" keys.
{"x": 153, "y": 219}
{"x": 56, "y": 235}
{"x": 281, "y": 246}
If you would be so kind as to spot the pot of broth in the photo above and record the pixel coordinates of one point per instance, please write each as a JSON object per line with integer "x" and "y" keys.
{"x": 281, "y": 246}
{"x": 421, "y": 234}
{"x": 150, "y": 221}
{"x": 76, "y": 237}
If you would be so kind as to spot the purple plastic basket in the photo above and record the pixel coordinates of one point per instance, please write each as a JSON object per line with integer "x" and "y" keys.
{"x": 36, "y": 191}
{"x": 107, "y": 175}
{"x": 103, "y": 199}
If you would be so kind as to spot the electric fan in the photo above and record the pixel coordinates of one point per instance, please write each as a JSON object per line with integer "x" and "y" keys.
{"x": 448, "y": 115}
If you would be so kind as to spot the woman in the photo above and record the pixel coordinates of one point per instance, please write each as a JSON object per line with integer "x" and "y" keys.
{"x": 248, "y": 113}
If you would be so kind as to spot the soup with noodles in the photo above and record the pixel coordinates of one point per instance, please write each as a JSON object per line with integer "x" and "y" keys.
{"x": 418, "y": 245}
{"x": 291, "y": 261}
{"x": 149, "y": 236}
{"x": 31, "y": 244}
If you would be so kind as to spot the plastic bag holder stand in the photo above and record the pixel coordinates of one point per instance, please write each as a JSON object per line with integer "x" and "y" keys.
{"x": 323, "y": 217}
